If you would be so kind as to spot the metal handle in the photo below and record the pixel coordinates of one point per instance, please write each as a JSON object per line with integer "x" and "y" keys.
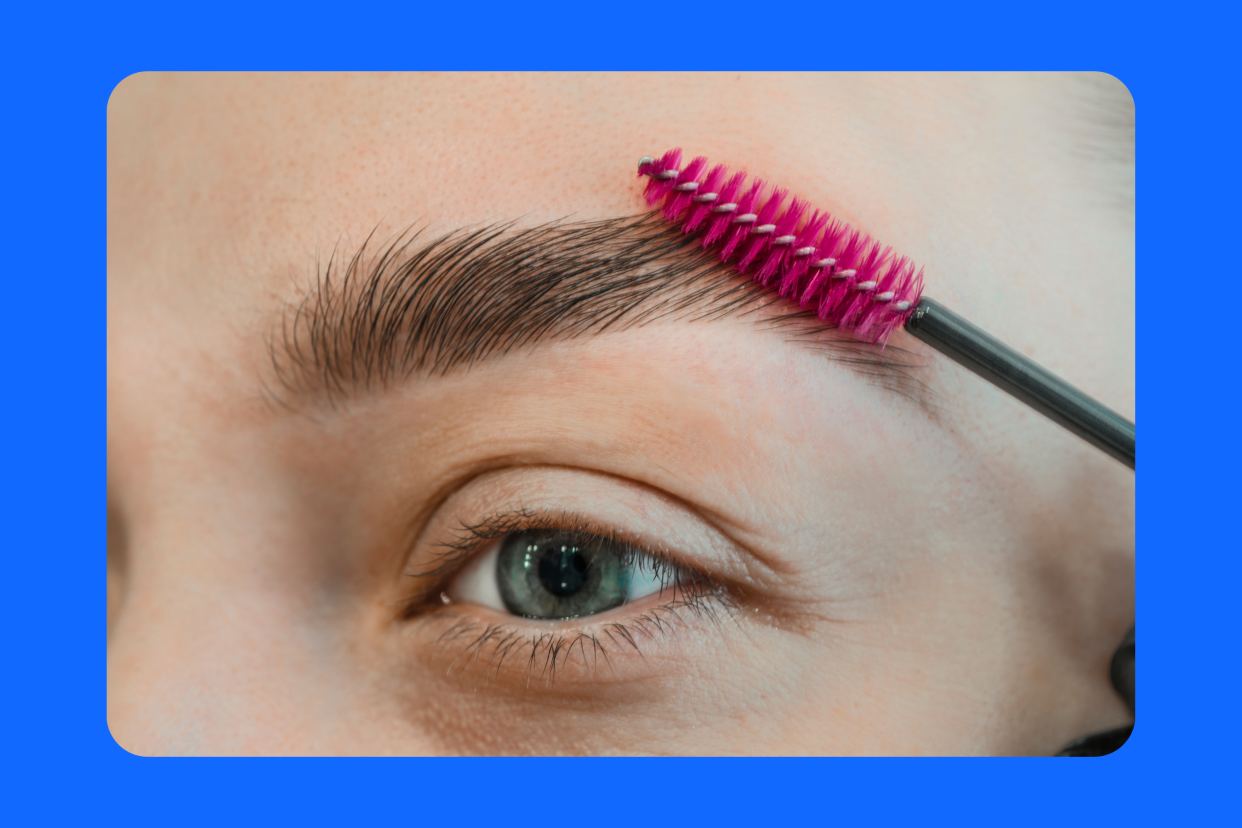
{"x": 973, "y": 348}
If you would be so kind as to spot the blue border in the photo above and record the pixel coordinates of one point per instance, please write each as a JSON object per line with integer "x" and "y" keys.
{"x": 62, "y": 764}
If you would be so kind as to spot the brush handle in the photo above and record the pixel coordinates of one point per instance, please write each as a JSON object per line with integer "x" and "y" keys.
{"x": 972, "y": 348}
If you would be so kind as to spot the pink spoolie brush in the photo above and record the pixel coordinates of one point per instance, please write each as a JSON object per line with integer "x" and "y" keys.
{"x": 848, "y": 279}
{"x": 855, "y": 283}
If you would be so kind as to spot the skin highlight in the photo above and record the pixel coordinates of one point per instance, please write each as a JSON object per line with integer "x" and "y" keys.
{"x": 908, "y": 581}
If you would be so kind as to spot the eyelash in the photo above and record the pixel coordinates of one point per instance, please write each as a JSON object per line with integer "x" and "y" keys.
{"x": 490, "y": 644}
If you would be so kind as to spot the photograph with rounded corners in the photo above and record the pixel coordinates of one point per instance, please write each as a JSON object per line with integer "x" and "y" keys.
{"x": 620, "y": 414}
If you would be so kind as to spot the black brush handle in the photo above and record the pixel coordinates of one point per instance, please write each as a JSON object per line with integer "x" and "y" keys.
{"x": 971, "y": 347}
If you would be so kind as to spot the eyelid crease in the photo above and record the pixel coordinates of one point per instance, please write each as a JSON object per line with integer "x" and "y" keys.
{"x": 740, "y": 561}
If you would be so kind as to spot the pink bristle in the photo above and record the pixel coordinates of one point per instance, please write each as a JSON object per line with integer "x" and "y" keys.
{"x": 855, "y": 252}
{"x": 834, "y": 233}
{"x": 849, "y": 248}
{"x": 831, "y": 298}
{"x": 799, "y": 265}
{"x": 870, "y": 308}
{"x": 813, "y": 288}
{"x": 779, "y": 256}
{"x": 877, "y": 255}
{"x": 899, "y": 281}
{"x": 703, "y": 209}
{"x": 890, "y": 288}
{"x": 681, "y": 200}
{"x": 746, "y": 204}
{"x": 911, "y": 288}
{"x": 866, "y": 270}
{"x": 657, "y": 187}
{"x": 877, "y": 310}
{"x": 758, "y": 243}
{"x": 836, "y": 297}
{"x": 722, "y": 221}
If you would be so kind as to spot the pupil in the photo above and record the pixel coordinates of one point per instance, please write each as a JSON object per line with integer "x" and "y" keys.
{"x": 562, "y": 570}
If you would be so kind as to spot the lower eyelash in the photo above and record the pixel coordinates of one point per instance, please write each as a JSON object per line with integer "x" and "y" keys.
{"x": 487, "y": 646}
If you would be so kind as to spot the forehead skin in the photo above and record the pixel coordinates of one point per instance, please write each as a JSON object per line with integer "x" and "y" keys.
{"x": 982, "y": 178}
{"x": 225, "y": 189}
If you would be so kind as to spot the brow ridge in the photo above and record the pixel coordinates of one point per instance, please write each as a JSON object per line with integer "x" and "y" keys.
{"x": 434, "y": 306}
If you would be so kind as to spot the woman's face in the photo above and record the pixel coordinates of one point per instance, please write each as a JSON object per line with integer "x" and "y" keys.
{"x": 316, "y": 547}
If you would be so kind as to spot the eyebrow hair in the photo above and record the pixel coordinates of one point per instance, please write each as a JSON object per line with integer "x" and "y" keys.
{"x": 436, "y": 306}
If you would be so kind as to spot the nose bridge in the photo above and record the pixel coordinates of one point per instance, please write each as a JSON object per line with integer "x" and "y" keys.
{"x": 238, "y": 605}
{"x": 226, "y": 624}
{"x": 225, "y": 665}
{"x": 190, "y": 664}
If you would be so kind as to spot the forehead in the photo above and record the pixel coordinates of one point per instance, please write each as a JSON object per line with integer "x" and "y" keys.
{"x": 225, "y": 187}
{"x": 306, "y": 158}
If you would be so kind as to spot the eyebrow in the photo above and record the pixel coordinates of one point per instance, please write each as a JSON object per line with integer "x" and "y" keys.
{"x": 419, "y": 306}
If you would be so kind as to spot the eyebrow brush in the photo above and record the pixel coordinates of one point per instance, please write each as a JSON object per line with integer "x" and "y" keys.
{"x": 854, "y": 282}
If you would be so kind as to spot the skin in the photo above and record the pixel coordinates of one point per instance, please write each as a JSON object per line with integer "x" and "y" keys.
{"x": 949, "y": 579}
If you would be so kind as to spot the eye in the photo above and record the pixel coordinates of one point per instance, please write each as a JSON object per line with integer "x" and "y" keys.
{"x": 553, "y": 574}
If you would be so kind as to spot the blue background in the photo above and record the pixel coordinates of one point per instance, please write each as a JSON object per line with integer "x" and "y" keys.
{"x": 63, "y": 62}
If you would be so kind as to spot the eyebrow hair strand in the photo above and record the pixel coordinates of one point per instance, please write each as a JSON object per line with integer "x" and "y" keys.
{"x": 439, "y": 305}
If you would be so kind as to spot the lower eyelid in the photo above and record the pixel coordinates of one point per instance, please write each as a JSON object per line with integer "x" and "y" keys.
{"x": 476, "y": 648}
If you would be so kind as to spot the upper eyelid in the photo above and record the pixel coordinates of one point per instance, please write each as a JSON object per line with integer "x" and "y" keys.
{"x": 509, "y": 497}
{"x": 472, "y": 537}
